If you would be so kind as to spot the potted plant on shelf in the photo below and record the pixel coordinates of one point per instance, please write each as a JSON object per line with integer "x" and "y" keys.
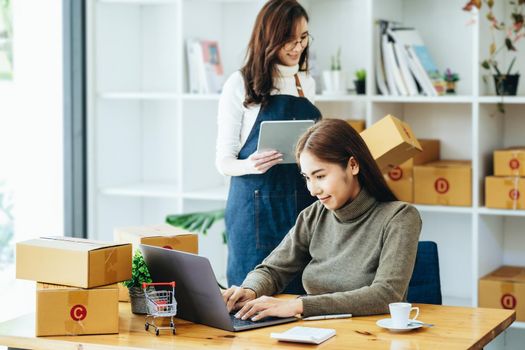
{"x": 360, "y": 81}
{"x": 139, "y": 274}
{"x": 450, "y": 78}
{"x": 506, "y": 83}
{"x": 335, "y": 79}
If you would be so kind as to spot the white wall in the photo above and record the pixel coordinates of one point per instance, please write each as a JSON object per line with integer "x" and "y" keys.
{"x": 31, "y": 136}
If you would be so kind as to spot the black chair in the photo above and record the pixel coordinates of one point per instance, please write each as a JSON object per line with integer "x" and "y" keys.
{"x": 425, "y": 285}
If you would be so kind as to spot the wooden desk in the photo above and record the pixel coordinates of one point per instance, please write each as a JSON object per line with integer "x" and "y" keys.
{"x": 455, "y": 328}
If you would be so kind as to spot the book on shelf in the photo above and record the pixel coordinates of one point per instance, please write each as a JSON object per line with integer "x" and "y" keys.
{"x": 205, "y": 72}
{"x": 379, "y": 62}
{"x": 407, "y": 63}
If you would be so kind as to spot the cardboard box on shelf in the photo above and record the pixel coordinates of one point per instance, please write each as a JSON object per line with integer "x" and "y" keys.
{"x": 505, "y": 192}
{"x": 391, "y": 142}
{"x": 445, "y": 182}
{"x": 504, "y": 288}
{"x": 357, "y": 124}
{"x": 62, "y": 310}
{"x": 400, "y": 179}
{"x": 510, "y": 161}
{"x": 163, "y": 235}
{"x": 73, "y": 261}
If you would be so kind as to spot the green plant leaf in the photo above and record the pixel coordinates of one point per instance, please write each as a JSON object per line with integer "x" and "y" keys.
{"x": 509, "y": 44}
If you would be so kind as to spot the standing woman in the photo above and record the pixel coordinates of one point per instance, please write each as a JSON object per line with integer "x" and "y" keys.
{"x": 265, "y": 197}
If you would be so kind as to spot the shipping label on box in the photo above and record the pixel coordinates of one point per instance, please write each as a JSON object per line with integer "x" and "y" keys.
{"x": 443, "y": 183}
{"x": 391, "y": 142}
{"x": 163, "y": 235}
{"x": 504, "y": 288}
{"x": 505, "y": 192}
{"x": 73, "y": 261}
{"x": 509, "y": 162}
{"x": 62, "y": 310}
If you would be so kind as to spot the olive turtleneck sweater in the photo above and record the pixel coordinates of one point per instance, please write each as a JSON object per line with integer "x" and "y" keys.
{"x": 356, "y": 259}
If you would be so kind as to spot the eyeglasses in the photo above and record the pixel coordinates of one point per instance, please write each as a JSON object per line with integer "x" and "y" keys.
{"x": 304, "y": 42}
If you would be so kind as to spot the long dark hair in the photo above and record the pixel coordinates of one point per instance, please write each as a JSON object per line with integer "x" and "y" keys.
{"x": 335, "y": 141}
{"x": 274, "y": 26}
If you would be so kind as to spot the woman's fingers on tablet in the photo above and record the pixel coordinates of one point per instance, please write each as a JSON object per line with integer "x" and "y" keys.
{"x": 262, "y": 155}
{"x": 266, "y": 160}
{"x": 263, "y": 168}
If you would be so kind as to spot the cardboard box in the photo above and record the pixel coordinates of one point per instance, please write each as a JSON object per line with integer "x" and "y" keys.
{"x": 504, "y": 288}
{"x": 73, "y": 261}
{"x": 509, "y": 162}
{"x": 400, "y": 179}
{"x": 163, "y": 235}
{"x": 505, "y": 192}
{"x": 391, "y": 142}
{"x": 62, "y": 310}
{"x": 357, "y": 124}
{"x": 443, "y": 183}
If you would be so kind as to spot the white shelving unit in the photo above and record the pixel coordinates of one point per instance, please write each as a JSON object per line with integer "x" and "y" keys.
{"x": 151, "y": 143}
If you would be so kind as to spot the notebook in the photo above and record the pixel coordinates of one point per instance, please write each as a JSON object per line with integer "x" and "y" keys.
{"x": 308, "y": 335}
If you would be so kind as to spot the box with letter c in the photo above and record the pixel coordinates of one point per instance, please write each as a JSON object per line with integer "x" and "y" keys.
{"x": 62, "y": 310}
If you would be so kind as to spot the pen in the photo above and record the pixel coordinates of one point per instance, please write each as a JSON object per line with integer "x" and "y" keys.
{"x": 327, "y": 317}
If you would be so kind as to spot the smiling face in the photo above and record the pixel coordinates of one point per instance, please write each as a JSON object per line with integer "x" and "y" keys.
{"x": 333, "y": 185}
{"x": 291, "y": 57}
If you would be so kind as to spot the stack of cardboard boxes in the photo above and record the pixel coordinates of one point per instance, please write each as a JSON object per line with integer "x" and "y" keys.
{"x": 76, "y": 283}
{"x": 427, "y": 180}
{"x": 506, "y": 189}
{"x": 400, "y": 179}
{"x": 163, "y": 235}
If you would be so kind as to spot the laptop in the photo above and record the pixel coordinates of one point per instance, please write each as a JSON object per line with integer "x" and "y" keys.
{"x": 197, "y": 293}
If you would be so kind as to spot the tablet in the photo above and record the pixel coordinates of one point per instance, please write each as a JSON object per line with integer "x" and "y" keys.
{"x": 282, "y": 135}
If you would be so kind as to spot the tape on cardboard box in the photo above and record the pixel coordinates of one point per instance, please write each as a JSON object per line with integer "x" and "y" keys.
{"x": 78, "y": 304}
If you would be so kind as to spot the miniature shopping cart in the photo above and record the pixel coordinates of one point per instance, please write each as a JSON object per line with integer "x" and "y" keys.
{"x": 160, "y": 303}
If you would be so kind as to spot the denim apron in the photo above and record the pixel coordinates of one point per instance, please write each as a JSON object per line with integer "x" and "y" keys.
{"x": 262, "y": 208}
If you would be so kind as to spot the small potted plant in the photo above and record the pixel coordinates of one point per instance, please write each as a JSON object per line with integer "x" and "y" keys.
{"x": 335, "y": 78}
{"x": 360, "y": 81}
{"x": 506, "y": 84}
{"x": 139, "y": 274}
{"x": 450, "y": 78}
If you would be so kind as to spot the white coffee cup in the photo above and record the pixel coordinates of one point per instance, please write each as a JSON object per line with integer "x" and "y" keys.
{"x": 400, "y": 312}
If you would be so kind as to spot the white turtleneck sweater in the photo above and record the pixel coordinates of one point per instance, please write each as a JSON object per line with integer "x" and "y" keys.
{"x": 236, "y": 121}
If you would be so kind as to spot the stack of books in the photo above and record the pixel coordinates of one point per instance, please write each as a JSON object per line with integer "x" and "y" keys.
{"x": 403, "y": 64}
{"x": 205, "y": 73}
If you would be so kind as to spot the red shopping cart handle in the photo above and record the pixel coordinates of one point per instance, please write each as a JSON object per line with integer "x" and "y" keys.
{"x": 144, "y": 285}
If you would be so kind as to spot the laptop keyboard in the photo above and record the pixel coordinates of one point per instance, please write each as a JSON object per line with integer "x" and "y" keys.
{"x": 237, "y": 322}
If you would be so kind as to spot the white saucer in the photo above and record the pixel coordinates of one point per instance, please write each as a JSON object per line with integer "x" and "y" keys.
{"x": 387, "y": 323}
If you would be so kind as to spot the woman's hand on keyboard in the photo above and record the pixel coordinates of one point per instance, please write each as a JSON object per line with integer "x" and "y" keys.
{"x": 235, "y": 297}
{"x": 267, "y": 306}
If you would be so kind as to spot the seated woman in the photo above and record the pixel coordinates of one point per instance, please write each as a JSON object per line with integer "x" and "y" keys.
{"x": 357, "y": 244}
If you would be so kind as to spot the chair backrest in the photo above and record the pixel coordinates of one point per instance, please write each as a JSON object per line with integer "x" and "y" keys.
{"x": 425, "y": 285}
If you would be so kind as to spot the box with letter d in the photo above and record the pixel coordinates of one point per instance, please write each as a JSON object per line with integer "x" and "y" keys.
{"x": 504, "y": 288}
{"x": 443, "y": 183}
